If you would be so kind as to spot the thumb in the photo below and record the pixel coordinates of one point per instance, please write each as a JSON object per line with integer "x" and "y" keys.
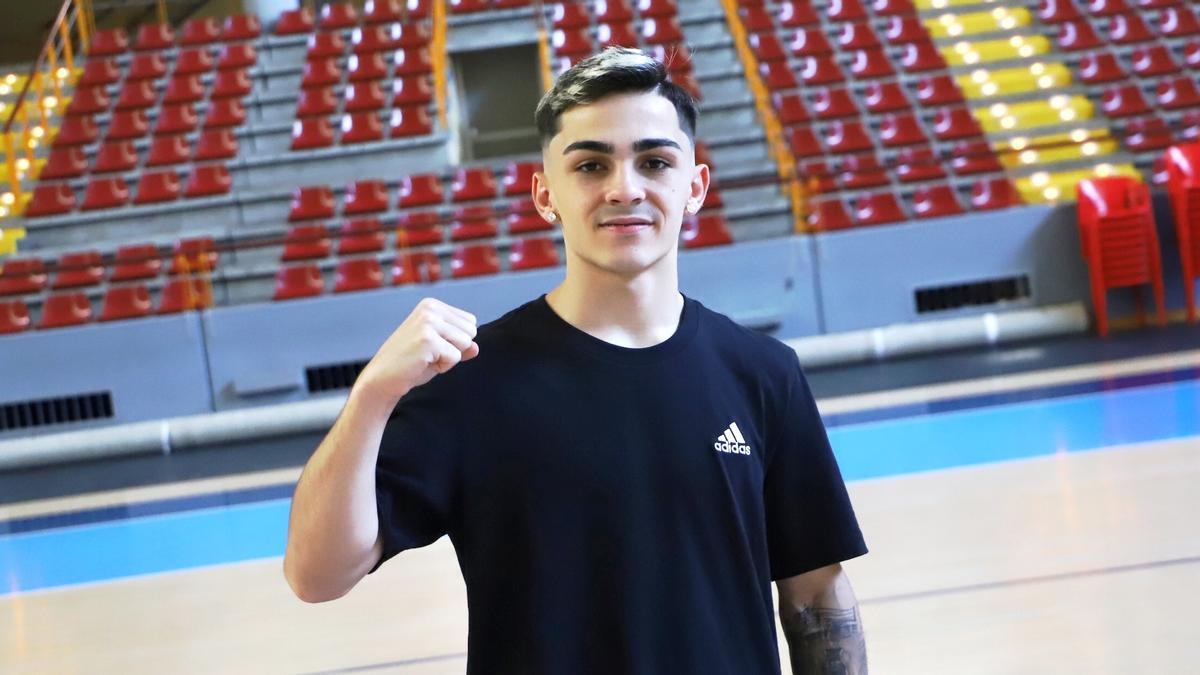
{"x": 470, "y": 352}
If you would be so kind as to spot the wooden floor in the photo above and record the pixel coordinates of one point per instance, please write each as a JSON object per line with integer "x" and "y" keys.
{"x": 1076, "y": 563}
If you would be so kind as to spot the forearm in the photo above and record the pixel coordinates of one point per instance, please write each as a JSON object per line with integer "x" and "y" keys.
{"x": 333, "y": 526}
{"x": 825, "y": 640}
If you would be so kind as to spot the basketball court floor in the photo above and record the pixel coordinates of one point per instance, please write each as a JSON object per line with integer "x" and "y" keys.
{"x": 1030, "y": 509}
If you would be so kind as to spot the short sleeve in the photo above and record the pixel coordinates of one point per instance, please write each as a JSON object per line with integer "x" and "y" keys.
{"x": 415, "y": 484}
{"x": 810, "y": 521}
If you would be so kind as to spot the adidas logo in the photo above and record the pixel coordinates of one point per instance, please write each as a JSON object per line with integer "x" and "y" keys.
{"x": 732, "y": 441}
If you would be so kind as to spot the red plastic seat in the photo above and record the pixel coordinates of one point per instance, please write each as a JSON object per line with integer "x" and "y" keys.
{"x": 207, "y": 180}
{"x": 298, "y": 281}
{"x": 868, "y": 64}
{"x": 367, "y": 67}
{"x": 14, "y": 317}
{"x": 862, "y": 171}
{"x": 179, "y": 118}
{"x": 816, "y": 176}
{"x": 318, "y": 101}
{"x": 803, "y": 142}
{"x": 523, "y": 217}
{"x": 1106, "y": 7}
{"x": 105, "y": 193}
{"x": 416, "y": 267}
{"x": 529, "y": 253}
{"x": 518, "y": 178}
{"x": 1191, "y": 54}
{"x": 609, "y": 11}
{"x": 570, "y": 15}
{"x": 361, "y": 127}
{"x": 99, "y": 71}
{"x": 79, "y": 269}
{"x": 994, "y": 193}
{"x": 320, "y": 73}
{"x": 877, "y": 209}
{"x": 22, "y": 276}
{"x": 322, "y": 46}
{"x": 412, "y": 61}
{"x": 469, "y": 6}
{"x": 1057, "y": 11}
{"x": 225, "y": 112}
{"x": 972, "y": 157}
{"x": 893, "y": 7}
{"x": 184, "y": 294}
{"x": 766, "y": 47}
{"x": 790, "y": 109}
{"x": 817, "y": 70}
{"x": 420, "y": 190}
{"x": 931, "y": 201}
{"x": 901, "y": 129}
{"x": 657, "y": 8}
{"x": 474, "y": 260}
{"x": 902, "y": 30}
{"x": 1177, "y": 93}
{"x": 338, "y": 15}
{"x": 363, "y": 235}
{"x": 126, "y": 302}
{"x": 809, "y": 42}
{"x": 306, "y": 242}
{"x": 215, "y": 144}
{"x": 834, "y": 102}
{"x": 168, "y": 150}
{"x": 381, "y": 11}
{"x": 881, "y": 97}
{"x": 65, "y": 162}
{"x": 409, "y": 35}
{"x": 109, "y": 42}
{"x": 418, "y": 228}
{"x": 411, "y": 90}
{"x": 953, "y": 123}
{"x": 705, "y": 230}
{"x": 295, "y": 21}
{"x": 65, "y": 309}
{"x": 777, "y": 75}
{"x": 571, "y": 41}
{"x": 1126, "y": 29}
{"x": 795, "y": 13}
{"x": 365, "y": 196}
{"x": 473, "y": 183}
{"x": 938, "y": 90}
{"x": 1074, "y": 36}
{"x": 136, "y": 261}
{"x": 845, "y": 136}
{"x": 153, "y": 37}
{"x": 1176, "y": 22}
{"x": 660, "y": 31}
{"x": 1123, "y": 101}
{"x": 1144, "y": 134}
{"x": 1100, "y": 67}
{"x": 852, "y": 36}
{"x": 845, "y": 10}
{"x": 828, "y": 215}
{"x": 920, "y": 57}
{"x": 200, "y": 31}
{"x": 311, "y": 132}
{"x": 371, "y": 39}
{"x": 357, "y": 274}
{"x": 618, "y": 34}
{"x": 127, "y": 125}
{"x": 193, "y": 254}
{"x": 236, "y": 56}
{"x": 138, "y": 94}
{"x": 193, "y": 61}
{"x": 88, "y": 100}
{"x": 231, "y": 84}
{"x": 76, "y": 130}
{"x": 241, "y": 27}
{"x": 410, "y": 121}
{"x": 314, "y": 201}
{"x": 918, "y": 163}
{"x": 115, "y": 156}
{"x": 50, "y": 200}
{"x": 473, "y": 222}
{"x": 146, "y": 67}
{"x": 184, "y": 89}
{"x": 157, "y": 186}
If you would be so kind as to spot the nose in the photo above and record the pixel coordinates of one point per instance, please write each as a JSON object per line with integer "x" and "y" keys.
{"x": 624, "y": 185}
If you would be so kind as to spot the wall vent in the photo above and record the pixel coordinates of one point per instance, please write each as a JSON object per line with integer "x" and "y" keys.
{"x": 334, "y": 376}
{"x": 986, "y": 292}
{"x": 51, "y": 411}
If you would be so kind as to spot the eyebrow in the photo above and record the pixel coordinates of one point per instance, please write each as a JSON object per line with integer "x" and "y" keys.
{"x": 608, "y": 149}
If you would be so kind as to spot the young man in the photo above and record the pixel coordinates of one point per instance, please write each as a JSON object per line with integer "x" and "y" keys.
{"x": 621, "y": 470}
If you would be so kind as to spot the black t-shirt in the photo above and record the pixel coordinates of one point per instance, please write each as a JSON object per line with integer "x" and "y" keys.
{"x": 618, "y": 510}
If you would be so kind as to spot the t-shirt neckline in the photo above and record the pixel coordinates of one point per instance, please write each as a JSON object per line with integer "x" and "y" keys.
{"x": 580, "y": 340}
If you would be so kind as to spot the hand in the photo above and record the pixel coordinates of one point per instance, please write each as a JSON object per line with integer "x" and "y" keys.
{"x": 433, "y": 339}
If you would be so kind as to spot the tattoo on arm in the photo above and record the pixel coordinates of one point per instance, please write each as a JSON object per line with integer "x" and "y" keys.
{"x": 825, "y": 641}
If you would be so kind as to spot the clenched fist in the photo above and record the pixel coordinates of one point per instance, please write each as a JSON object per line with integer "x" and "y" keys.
{"x": 433, "y": 339}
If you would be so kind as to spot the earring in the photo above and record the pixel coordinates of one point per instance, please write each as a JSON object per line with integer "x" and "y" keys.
{"x": 692, "y": 207}
{"x": 551, "y": 216}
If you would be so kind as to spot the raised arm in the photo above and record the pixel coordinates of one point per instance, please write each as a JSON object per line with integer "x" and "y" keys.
{"x": 821, "y": 622}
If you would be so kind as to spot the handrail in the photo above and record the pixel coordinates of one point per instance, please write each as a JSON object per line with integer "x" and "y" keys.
{"x": 439, "y": 59}
{"x": 543, "y": 43}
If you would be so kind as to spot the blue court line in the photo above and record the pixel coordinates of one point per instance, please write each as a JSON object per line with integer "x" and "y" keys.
{"x": 172, "y": 541}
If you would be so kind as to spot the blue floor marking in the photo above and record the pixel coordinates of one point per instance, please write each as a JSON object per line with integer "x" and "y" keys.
{"x": 181, "y": 540}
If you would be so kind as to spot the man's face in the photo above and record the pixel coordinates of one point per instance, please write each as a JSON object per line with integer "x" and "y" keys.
{"x": 621, "y": 160}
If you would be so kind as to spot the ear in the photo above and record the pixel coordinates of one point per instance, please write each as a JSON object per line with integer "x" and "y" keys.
{"x": 699, "y": 188}
{"x": 542, "y": 199}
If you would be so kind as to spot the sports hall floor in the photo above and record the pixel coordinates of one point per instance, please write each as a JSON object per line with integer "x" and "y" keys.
{"x": 1030, "y": 509}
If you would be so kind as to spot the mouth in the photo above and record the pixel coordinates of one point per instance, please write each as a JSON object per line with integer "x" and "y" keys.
{"x": 626, "y": 225}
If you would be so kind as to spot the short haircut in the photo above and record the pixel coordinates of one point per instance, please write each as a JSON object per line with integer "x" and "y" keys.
{"x": 616, "y": 70}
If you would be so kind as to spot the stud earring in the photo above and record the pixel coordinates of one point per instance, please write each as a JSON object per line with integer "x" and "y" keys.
{"x": 551, "y": 216}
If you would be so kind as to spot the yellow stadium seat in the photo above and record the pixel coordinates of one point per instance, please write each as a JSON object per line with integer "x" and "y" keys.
{"x": 967, "y": 53}
{"x": 949, "y": 25}
{"x": 1020, "y": 151}
{"x": 9, "y": 238}
{"x": 1059, "y": 186}
{"x": 931, "y": 5}
{"x": 1060, "y": 109}
{"x": 986, "y": 83}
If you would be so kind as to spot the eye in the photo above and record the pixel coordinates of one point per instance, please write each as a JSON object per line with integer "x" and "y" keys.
{"x": 658, "y": 164}
{"x": 588, "y": 167}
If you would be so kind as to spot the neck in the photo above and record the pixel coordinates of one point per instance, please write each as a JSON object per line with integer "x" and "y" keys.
{"x": 635, "y": 312}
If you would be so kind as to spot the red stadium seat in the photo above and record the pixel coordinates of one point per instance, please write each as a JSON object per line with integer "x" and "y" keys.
{"x": 126, "y": 302}
{"x": 325, "y": 46}
{"x": 1100, "y": 67}
{"x": 767, "y": 47}
{"x": 306, "y": 242}
{"x": 1078, "y": 35}
{"x": 523, "y": 217}
{"x": 845, "y": 10}
{"x": 76, "y": 130}
{"x": 371, "y": 39}
{"x": 1191, "y": 54}
{"x": 803, "y": 142}
{"x": 571, "y": 41}
{"x": 619, "y": 34}
{"x": 931, "y": 201}
{"x": 418, "y": 228}
{"x": 193, "y": 61}
{"x": 877, "y": 209}
{"x": 311, "y": 132}
{"x": 529, "y": 253}
{"x": 200, "y": 31}
{"x": 777, "y": 75}
{"x": 1144, "y": 134}
{"x": 469, "y": 6}
{"x": 157, "y": 186}
{"x": 193, "y": 254}
{"x": 115, "y": 156}
{"x": 862, "y": 171}
{"x": 127, "y": 125}
{"x": 473, "y": 183}
{"x": 518, "y": 178}
{"x": 1123, "y": 101}
{"x": 610, "y": 11}
{"x": 474, "y": 260}
{"x": 953, "y": 123}
{"x": 1177, "y": 93}
{"x": 168, "y": 150}
{"x": 88, "y": 100}
{"x": 1106, "y": 7}
{"x": 416, "y": 267}
{"x": 852, "y": 36}
{"x": 295, "y": 22}
{"x": 420, "y": 190}
{"x": 938, "y": 90}
{"x": 14, "y": 317}
{"x": 215, "y": 144}
{"x": 411, "y": 90}
{"x": 231, "y": 84}
{"x": 225, "y": 112}
{"x": 105, "y": 193}
{"x": 139, "y": 94}
{"x": 365, "y": 196}
{"x": 183, "y": 89}
{"x": 869, "y": 64}
{"x": 318, "y": 101}
{"x": 893, "y": 7}
{"x": 795, "y": 13}
{"x": 78, "y": 269}
{"x": 99, "y": 71}
{"x": 816, "y": 176}
{"x": 570, "y": 15}
{"x": 357, "y": 274}
{"x": 972, "y": 157}
{"x": 901, "y": 129}
{"x": 412, "y": 61}
{"x": 657, "y": 8}
{"x": 809, "y": 42}
{"x": 705, "y": 230}
{"x": 147, "y": 67}
{"x": 903, "y": 30}
{"x": 817, "y": 70}
{"x": 154, "y": 36}
{"x": 207, "y": 180}
{"x": 179, "y": 118}
{"x": 919, "y": 57}
{"x": 109, "y": 42}
{"x": 236, "y": 56}
{"x": 65, "y": 309}
{"x": 473, "y": 222}
{"x": 881, "y": 97}
{"x": 50, "y": 200}
{"x": 22, "y": 276}
{"x": 367, "y": 67}
{"x": 241, "y": 27}
{"x": 315, "y": 201}
{"x": 338, "y": 15}
{"x": 918, "y": 163}
{"x": 661, "y": 31}
{"x": 790, "y": 108}
{"x": 994, "y": 193}
{"x": 834, "y": 102}
{"x": 409, "y": 35}
{"x": 381, "y": 11}
{"x": 320, "y": 73}
{"x": 1178, "y": 22}
{"x": 364, "y": 235}
{"x": 65, "y": 162}
{"x": 1126, "y": 29}
{"x": 410, "y": 121}
{"x": 361, "y": 127}
{"x": 136, "y": 261}
{"x": 829, "y": 215}
{"x": 1057, "y": 11}
{"x": 184, "y": 294}
{"x": 845, "y": 136}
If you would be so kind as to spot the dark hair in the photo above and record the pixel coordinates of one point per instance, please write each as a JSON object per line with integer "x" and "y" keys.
{"x": 615, "y": 70}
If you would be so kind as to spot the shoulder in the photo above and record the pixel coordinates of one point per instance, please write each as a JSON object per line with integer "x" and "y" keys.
{"x": 751, "y": 348}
